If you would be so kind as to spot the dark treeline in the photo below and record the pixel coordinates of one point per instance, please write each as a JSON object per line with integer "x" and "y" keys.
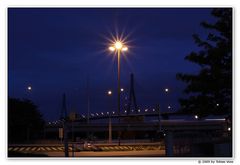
{"x": 25, "y": 122}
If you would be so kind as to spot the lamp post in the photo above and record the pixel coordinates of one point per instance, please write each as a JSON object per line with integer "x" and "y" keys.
{"x": 110, "y": 121}
{"x": 166, "y": 90}
{"x": 117, "y": 47}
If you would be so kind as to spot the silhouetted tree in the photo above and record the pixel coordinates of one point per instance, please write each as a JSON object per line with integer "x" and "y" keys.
{"x": 210, "y": 90}
{"x": 24, "y": 121}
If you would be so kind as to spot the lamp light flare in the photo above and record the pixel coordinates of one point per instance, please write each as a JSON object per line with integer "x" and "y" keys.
{"x": 118, "y": 45}
{"x": 111, "y": 48}
{"x": 122, "y": 89}
{"x": 125, "y": 49}
{"x": 196, "y": 116}
{"x": 29, "y": 88}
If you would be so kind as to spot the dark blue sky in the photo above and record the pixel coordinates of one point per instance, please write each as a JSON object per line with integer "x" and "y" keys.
{"x": 55, "y": 50}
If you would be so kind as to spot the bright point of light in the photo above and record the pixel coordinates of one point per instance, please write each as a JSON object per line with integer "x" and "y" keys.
{"x": 139, "y": 110}
{"x": 153, "y": 110}
{"x": 122, "y": 89}
{"x": 217, "y": 105}
{"x": 229, "y": 128}
{"x": 125, "y": 111}
{"x": 196, "y": 116}
{"x": 124, "y": 48}
{"x": 164, "y": 134}
{"x": 146, "y": 110}
{"x": 97, "y": 114}
{"x": 118, "y": 45}
{"x": 111, "y": 48}
{"x": 107, "y": 112}
{"x": 109, "y": 92}
{"x": 113, "y": 112}
{"x": 102, "y": 113}
{"x": 29, "y": 88}
{"x": 166, "y": 89}
{"x": 169, "y": 107}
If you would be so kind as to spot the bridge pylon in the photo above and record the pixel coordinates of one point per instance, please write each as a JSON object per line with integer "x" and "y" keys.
{"x": 132, "y": 96}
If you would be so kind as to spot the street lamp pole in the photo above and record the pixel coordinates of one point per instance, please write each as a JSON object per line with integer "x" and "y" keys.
{"x": 119, "y": 132}
{"x": 118, "y": 46}
{"x": 110, "y": 120}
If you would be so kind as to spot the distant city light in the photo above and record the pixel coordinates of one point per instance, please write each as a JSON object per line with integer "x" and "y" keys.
{"x": 139, "y": 110}
{"x": 196, "y": 116}
{"x": 122, "y": 89}
{"x": 125, "y": 111}
{"x": 169, "y": 107}
{"x": 113, "y": 112}
{"x": 166, "y": 89}
{"x": 107, "y": 112}
{"x": 153, "y": 110}
{"x": 217, "y": 104}
{"x": 146, "y": 110}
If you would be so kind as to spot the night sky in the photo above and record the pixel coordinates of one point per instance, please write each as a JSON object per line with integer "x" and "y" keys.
{"x": 56, "y": 50}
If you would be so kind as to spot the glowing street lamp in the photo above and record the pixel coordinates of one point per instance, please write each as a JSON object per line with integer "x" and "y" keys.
{"x": 166, "y": 90}
{"x": 109, "y": 93}
{"x": 119, "y": 47}
{"x": 29, "y": 88}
